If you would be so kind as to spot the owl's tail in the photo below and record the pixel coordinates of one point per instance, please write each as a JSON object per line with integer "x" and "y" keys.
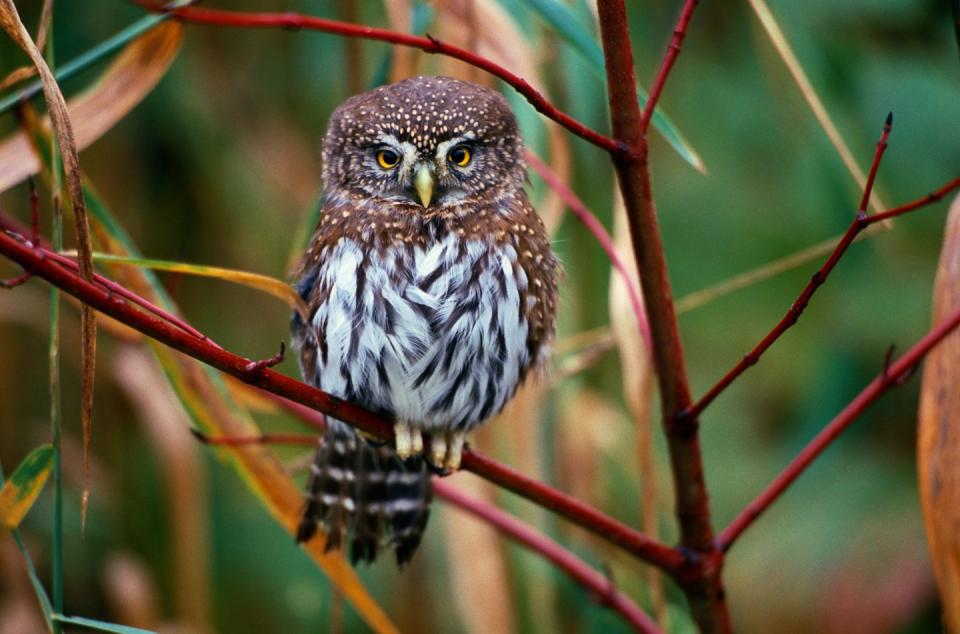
{"x": 365, "y": 493}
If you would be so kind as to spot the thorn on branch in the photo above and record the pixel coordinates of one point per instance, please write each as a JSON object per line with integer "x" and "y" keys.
{"x": 685, "y": 424}
{"x": 603, "y": 598}
{"x": 200, "y": 436}
{"x": 437, "y": 44}
{"x": 904, "y": 376}
{"x": 255, "y": 367}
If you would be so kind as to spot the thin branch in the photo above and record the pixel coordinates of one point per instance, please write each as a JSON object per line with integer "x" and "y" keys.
{"x": 428, "y": 44}
{"x": 859, "y": 223}
{"x": 43, "y": 247}
{"x": 875, "y": 165}
{"x": 589, "y": 220}
{"x": 526, "y": 535}
{"x": 704, "y": 590}
{"x": 581, "y": 572}
{"x": 94, "y": 295}
{"x": 891, "y": 376}
{"x": 673, "y": 50}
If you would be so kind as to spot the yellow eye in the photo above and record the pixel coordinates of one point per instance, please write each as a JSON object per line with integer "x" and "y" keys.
{"x": 388, "y": 159}
{"x": 459, "y": 155}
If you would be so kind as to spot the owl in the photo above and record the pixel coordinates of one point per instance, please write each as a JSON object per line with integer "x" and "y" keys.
{"x": 432, "y": 294}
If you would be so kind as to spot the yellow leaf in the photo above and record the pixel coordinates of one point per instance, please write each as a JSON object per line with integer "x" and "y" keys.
{"x": 21, "y": 490}
{"x": 938, "y": 443}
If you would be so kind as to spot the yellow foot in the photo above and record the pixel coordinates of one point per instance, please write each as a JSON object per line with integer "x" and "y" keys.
{"x": 454, "y": 450}
{"x": 438, "y": 449}
{"x": 446, "y": 450}
{"x": 408, "y": 440}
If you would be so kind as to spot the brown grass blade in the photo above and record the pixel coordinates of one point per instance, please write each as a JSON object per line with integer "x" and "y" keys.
{"x": 16, "y": 76}
{"x": 66, "y": 141}
{"x": 638, "y": 382}
{"x": 479, "y": 577}
{"x": 503, "y": 40}
{"x": 179, "y": 456}
{"x": 782, "y": 45}
{"x": 938, "y": 444}
{"x": 125, "y": 82}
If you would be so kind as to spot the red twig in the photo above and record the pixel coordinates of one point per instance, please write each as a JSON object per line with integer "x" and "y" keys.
{"x": 859, "y": 223}
{"x": 704, "y": 590}
{"x": 929, "y": 199}
{"x": 673, "y": 50}
{"x": 296, "y": 21}
{"x": 255, "y": 367}
{"x": 890, "y": 377}
{"x": 15, "y": 229}
{"x": 94, "y": 295}
{"x": 881, "y": 148}
{"x": 576, "y": 568}
{"x": 585, "y": 216}
{"x": 34, "y": 234}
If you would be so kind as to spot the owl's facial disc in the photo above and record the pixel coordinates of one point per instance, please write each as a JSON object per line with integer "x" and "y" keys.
{"x": 428, "y": 174}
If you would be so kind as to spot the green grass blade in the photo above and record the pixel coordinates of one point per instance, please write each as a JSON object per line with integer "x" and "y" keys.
{"x": 562, "y": 19}
{"x": 38, "y": 588}
{"x": 89, "y": 58}
{"x": 21, "y": 490}
{"x": 100, "y": 626}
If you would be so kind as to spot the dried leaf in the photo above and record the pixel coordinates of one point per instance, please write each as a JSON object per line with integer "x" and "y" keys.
{"x": 179, "y": 457}
{"x": 10, "y": 21}
{"x": 938, "y": 444}
{"x": 638, "y": 381}
{"x": 21, "y": 490}
{"x": 128, "y": 79}
{"x": 479, "y": 580}
{"x": 17, "y": 75}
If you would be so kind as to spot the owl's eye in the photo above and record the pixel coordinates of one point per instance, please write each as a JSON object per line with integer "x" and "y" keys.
{"x": 459, "y": 155}
{"x": 388, "y": 159}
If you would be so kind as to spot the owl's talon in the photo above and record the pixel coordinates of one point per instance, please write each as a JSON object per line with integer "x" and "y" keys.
{"x": 438, "y": 450}
{"x": 408, "y": 441}
{"x": 455, "y": 450}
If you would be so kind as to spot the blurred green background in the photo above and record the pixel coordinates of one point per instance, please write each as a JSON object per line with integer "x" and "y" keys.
{"x": 220, "y": 165}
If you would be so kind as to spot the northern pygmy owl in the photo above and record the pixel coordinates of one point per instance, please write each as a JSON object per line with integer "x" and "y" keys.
{"x": 432, "y": 294}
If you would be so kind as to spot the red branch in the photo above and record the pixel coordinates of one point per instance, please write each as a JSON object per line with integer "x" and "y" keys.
{"x": 576, "y": 568}
{"x": 10, "y": 224}
{"x": 704, "y": 590}
{"x": 859, "y": 223}
{"x": 296, "y": 21}
{"x": 892, "y": 376}
{"x": 585, "y": 216}
{"x": 521, "y": 532}
{"x": 673, "y": 50}
{"x": 34, "y": 260}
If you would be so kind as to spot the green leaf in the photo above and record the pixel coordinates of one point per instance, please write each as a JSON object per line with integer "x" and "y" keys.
{"x": 101, "y": 626}
{"x": 562, "y": 19}
{"x": 21, "y": 490}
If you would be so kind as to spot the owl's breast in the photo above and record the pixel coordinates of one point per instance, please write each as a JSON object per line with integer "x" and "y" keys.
{"x": 435, "y": 335}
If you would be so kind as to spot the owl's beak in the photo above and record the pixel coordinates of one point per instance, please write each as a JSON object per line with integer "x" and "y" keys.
{"x": 423, "y": 183}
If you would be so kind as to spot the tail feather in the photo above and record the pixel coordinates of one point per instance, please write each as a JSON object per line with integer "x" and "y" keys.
{"x": 365, "y": 495}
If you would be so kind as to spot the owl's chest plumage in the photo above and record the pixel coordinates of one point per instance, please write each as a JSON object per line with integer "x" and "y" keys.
{"x": 434, "y": 333}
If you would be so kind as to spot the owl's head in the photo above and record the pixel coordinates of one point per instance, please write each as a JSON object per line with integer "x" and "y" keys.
{"x": 426, "y": 142}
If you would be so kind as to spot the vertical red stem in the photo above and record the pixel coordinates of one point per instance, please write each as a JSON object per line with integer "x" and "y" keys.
{"x": 703, "y": 587}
